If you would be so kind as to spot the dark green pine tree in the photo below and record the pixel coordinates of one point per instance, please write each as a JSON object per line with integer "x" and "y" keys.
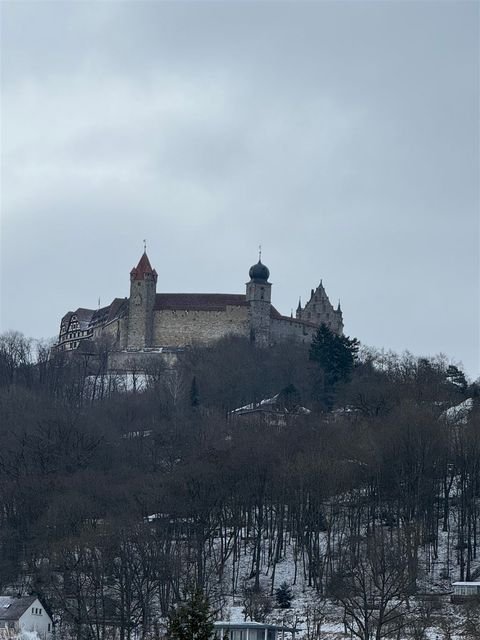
{"x": 191, "y": 619}
{"x": 284, "y": 596}
{"x": 194, "y": 395}
{"x": 455, "y": 376}
{"x": 335, "y": 356}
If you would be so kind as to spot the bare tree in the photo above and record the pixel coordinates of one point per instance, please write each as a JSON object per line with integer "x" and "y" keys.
{"x": 373, "y": 588}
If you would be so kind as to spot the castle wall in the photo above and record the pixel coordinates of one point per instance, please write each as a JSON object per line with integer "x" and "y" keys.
{"x": 182, "y": 327}
{"x": 115, "y": 332}
{"x": 151, "y": 361}
{"x": 289, "y": 328}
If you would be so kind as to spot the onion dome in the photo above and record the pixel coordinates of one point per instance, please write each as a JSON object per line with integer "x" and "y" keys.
{"x": 259, "y": 272}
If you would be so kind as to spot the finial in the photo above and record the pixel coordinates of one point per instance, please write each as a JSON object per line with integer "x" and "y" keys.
{"x": 99, "y": 302}
{"x": 144, "y": 246}
{"x": 299, "y": 303}
{"x": 291, "y": 313}
{"x": 338, "y": 308}
{"x": 259, "y": 252}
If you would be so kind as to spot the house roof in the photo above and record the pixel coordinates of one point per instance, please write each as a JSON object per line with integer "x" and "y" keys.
{"x": 205, "y": 302}
{"x": 251, "y": 625}
{"x": 12, "y": 608}
{"x": 199, "y": 301}
{"x": 285, "y": 402}
{"x": 92, "y": 317}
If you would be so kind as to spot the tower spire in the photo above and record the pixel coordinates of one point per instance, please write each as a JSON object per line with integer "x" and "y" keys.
{"x": 144, "y": 246}
{"x": 259, "y": 252}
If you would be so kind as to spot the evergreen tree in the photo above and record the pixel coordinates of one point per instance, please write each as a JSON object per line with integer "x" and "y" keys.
{"x": 284, "y": 596}
{"x": 455, "y": 376}
{"x": 194, "y": 395}
{"x": 191, "y": 619}
{"x": 336, "y": 357}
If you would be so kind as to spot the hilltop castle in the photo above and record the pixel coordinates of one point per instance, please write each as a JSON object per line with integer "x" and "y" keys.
{"x": 149, "y": 321}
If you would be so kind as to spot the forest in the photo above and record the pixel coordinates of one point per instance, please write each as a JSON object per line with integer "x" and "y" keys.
{"x": 362, "y": 507}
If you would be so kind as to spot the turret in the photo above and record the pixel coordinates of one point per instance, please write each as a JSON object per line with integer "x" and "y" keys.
{"x": 143, "y": 285}
{"x": 258, "y": 295}
{"x": 298, "y": 313}
{"x": 339, "y": 316}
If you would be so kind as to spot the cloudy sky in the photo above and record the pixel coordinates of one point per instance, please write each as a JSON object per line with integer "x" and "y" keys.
{"x": 342, "y": 136}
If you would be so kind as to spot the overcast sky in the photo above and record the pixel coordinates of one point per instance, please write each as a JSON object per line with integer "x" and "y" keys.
{"x": 342, "y": 136}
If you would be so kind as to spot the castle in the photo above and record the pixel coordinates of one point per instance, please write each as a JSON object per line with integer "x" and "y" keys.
{"x": 148, "y": 321}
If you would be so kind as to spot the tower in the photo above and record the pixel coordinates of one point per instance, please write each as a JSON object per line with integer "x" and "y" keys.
{"x": 258, "y": 295}
{"x": 143, "y": 286}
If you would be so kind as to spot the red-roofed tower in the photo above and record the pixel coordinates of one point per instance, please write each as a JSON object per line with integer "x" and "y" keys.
{"x": 143, "y": 289}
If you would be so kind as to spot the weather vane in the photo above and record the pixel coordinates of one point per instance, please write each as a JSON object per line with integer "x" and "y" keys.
{"x": 145, "y": 246}
{"x": 259, "y": 252}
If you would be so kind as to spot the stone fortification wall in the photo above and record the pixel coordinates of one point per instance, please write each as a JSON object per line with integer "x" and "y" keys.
{"x": 182, "y": 327}
{"x": 151, "y": 361}
{"x": 290, "y": 328}
{"x": 115, "y": 332}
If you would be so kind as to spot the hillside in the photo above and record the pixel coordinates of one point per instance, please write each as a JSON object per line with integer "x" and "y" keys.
{"x": 358, "y": 486}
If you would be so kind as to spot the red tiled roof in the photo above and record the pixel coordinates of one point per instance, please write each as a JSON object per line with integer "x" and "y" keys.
{"x": 142, "y": 268}
{"x": 199, "y": 301}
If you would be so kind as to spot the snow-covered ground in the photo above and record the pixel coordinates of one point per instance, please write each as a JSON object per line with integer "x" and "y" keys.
{"x": 434, "y": 588}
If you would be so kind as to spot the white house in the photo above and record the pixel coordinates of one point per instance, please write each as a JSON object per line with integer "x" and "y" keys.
{"x": 25, "y": 613}
{"x": 251, "y": 631}
{"x": 465, "y": 591}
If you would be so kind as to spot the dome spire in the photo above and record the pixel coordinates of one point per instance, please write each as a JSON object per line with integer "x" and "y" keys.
{"x": 259, "y": 271}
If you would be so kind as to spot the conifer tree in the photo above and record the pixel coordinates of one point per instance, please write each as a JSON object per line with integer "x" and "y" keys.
{"x": 191, "y": 619}
{"x": 194, "y": 395}
{"x": 336, "y": 357}
{"x": 455, "y": 376}
{"x": 284, "y": 596}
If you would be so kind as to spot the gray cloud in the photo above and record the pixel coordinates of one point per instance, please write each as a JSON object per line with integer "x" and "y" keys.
{"x": 343, "y": 136}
